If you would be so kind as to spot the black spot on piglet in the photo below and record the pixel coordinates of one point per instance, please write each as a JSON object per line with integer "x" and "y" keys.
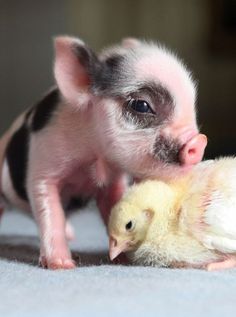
{"x": 17, "y": 156}
{"x": 44, "y": 110}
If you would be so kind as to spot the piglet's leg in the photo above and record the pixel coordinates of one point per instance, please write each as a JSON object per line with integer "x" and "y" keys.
{"x": 108, "y": 196}
{"x": 54, "y": 251}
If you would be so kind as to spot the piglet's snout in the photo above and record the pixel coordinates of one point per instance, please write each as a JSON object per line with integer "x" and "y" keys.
{"x": 192, "y": 152}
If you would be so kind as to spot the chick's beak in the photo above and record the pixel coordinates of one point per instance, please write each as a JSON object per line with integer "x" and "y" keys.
{"x": 116, "y": 248}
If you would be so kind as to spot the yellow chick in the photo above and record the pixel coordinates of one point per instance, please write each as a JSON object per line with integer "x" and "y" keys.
{"x": 190, "y": 222}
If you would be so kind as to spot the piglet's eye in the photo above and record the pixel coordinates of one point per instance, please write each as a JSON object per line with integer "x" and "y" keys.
{"x": 140, "y": 105}
{"x": 129, "y": 225}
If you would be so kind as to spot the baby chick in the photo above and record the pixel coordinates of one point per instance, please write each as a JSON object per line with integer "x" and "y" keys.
{"x": 189, "y": 222}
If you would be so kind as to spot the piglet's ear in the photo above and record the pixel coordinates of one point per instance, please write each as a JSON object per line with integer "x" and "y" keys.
{"x": 74, "y": 65}
{"x": 130, "y": 42}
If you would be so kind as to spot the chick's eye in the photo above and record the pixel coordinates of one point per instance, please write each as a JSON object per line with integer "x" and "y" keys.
{"x": 140, "y": 105}
{"x": 129, "y": 225}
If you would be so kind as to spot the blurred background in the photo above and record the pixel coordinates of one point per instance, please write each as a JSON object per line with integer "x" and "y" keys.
{"x": 202, "y": 32}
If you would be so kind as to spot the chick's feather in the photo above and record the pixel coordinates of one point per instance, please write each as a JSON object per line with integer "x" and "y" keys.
{"x": 193, "y": 218}
{"x": 217, "y": 206}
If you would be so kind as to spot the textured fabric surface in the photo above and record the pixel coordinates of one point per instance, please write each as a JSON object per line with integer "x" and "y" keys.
{"x": 97, "y": 288}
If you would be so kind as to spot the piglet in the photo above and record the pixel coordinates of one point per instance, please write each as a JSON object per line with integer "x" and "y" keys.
{"x": 128, "y": 111}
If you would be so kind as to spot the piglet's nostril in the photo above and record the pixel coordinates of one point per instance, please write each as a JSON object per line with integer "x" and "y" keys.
{"x": 193, "y": 150}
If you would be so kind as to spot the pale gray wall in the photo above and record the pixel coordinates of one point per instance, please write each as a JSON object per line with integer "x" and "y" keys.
{"x": 26, "y": 54}
{"x": 26, "y": 31}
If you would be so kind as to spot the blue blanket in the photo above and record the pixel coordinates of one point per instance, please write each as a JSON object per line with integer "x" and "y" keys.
{"x": 97, "y": 288}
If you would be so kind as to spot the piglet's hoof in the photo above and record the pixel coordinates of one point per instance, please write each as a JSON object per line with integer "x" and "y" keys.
{"x": 57, "y": 263}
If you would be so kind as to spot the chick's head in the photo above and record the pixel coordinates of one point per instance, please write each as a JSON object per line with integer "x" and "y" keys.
{"x": 131, "y": 218}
